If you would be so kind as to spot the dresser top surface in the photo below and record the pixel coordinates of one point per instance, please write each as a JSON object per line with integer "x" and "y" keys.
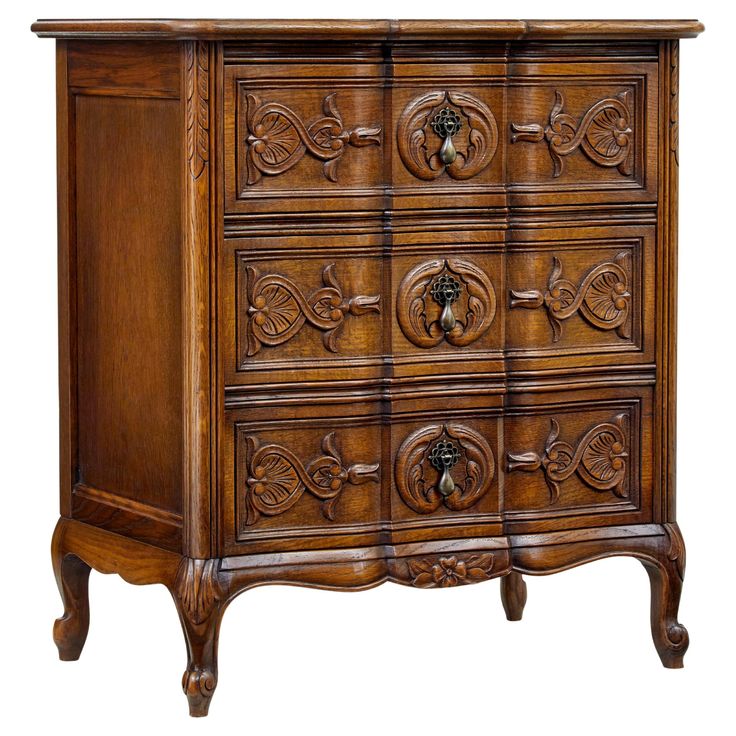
{"x": 378, "y": 30}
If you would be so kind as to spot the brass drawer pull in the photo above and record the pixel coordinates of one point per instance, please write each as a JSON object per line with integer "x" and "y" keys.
{"x": 446, "y": 124}
{"x": 444, "y": 457}
{"x": 445, "y": 291}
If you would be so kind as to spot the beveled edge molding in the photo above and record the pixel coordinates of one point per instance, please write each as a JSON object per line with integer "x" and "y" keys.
{"x": 380, "y": 30}
{"x": 121, "y": 515}
{"x": 198, "y": 72}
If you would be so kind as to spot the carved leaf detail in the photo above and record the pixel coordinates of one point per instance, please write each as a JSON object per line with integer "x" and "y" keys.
{"x": 278, "y": 138}
{"x": 418, "y": 479}
{"x": 598, "y": 458}
{"x": 197, "y": 587}
{"x": 197, "y": 106}
{"x": 602, "y": 298}
{"x": 277, "y": 479}
{"x": 419, "y": 314}
{"x": 278, "y": 309}
{"x": 603, "y": 133}
{"x": 420, "y": 145}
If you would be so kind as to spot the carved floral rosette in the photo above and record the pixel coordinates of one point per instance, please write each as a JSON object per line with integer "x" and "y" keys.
{"x": 418, "y": 474}
{"x": 447, "y": 572}
{"x": 598, "y": 458}
{"x": 420, "y": 144}
{"x": 277, "y": 478}
{"x": 419, "y": 312}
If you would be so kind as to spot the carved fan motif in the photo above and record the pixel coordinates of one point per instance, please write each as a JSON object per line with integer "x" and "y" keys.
{"x": 602, "y": 298}
{"x": 449, "y": 300}
{"x": 278, "y": 309}
{"x": 604, "y": 133}
{"x": 452, "y": 453}
{"x": 427, "y": 130}
{"x": 278, "y": 139}
{"x": 599, "y": 459}
{"x": 277, "y": 479}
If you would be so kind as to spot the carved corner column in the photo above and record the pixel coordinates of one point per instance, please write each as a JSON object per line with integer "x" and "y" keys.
{"x": 666, "y": 418}
{"x": 197, "y": 102}
{"x": 200, "y": 595}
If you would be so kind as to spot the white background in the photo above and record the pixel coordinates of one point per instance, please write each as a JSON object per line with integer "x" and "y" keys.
{"x": 391, "y": 660}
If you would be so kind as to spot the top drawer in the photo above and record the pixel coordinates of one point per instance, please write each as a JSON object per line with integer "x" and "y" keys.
{"x": 354, "y": 134}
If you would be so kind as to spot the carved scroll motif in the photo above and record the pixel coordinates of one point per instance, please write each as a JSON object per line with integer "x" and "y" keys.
{"x": 604, "y": 133}
{"x": 278, "y": 309}
{"x": 277, "y": 479}
{"x": 602, "y": 298}
{"x": 419, "y": 469}
{"x": 446, "y": 572}
{"x": 278, "y": 139}
{"x": 427, "y": 140}
{"x": 422, "y": 295}
{"x": 599, "y": 459}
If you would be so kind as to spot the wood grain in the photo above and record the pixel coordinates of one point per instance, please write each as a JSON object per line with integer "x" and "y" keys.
{"x": 349, "y": 302}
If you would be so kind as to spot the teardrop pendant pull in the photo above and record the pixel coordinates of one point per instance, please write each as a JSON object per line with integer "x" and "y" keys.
{"x": 446, "y": 485}
{"x": 448, "y": 153}
{"x": 447, "y": 318}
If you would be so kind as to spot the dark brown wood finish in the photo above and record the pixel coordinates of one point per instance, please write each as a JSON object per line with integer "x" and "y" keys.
{"x": 343, "y": 302}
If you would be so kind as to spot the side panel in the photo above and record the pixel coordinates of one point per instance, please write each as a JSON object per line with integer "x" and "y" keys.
{"x": 121, "y": 232}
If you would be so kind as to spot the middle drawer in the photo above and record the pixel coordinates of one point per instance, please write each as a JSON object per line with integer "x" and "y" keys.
{"x": 355, "y": 308}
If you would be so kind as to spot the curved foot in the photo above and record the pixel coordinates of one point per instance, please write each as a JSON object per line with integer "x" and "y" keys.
{"x": 658, "y": 547}
{"x": 665, "y": 576}
{"x": 200, "y": 601}
{"x": 72, "y": 577}
{"x": 513, "y": 595}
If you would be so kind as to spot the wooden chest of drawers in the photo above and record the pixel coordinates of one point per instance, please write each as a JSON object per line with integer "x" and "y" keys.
{"x": 344, "y": 302}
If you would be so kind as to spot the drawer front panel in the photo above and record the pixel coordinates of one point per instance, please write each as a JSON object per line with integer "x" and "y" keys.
{"x": 341, "y": 308}
{"x": 473, "y": 132}
{"x": 565, "y": 460}
{"x": 331, "y": 476}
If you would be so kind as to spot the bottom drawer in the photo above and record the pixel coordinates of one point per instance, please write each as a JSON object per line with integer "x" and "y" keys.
{"x": 480, "y": 467}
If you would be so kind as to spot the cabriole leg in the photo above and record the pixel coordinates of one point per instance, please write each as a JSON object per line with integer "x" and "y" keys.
{"x": 513, "y": 595}
{"x": 72, "y": 577}
{"x": 200, "y": 603}
{"x": 666, "y": 576}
